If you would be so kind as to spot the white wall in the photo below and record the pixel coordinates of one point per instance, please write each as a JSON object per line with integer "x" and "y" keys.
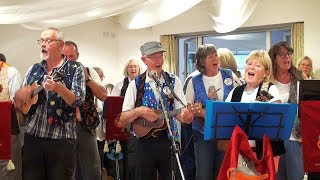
{"x": 98, "y": 48}
{"x": 98, "y": 44}
{"x": 267, "y": 12}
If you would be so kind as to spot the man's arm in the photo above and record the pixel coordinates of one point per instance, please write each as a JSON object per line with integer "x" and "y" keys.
{"x": 99, "y": 91}
{"x": 68, "y": 96}
{"x": 73, "y": 97}
{"x": 186, "y": 115}
{"x": 130, "y": 113}
{"x": 139, "y": 112}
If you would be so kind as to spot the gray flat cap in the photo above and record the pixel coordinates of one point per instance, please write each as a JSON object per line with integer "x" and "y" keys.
{"x": 151, "y": 47}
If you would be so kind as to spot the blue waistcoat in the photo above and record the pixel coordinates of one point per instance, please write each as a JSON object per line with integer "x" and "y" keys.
{"x": 201, "y": 95}
{"x": 149, "y": 100}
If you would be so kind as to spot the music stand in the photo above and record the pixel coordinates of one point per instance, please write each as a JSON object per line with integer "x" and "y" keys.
{"x": 256, "y": 119}
{"x": 5, "y": 130}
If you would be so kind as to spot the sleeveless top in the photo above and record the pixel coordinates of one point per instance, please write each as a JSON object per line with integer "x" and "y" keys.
{"x": 149, "y": 99}
{"x": 201, "y": 95}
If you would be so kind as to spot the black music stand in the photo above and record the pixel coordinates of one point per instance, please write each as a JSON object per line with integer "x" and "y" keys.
{"x": 256, "y": 119}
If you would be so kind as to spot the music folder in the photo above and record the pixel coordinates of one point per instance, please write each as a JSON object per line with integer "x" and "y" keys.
{"x": 113, "y": 110}
{"x": 256, "y": 119}
{"x": 5, "y": 130}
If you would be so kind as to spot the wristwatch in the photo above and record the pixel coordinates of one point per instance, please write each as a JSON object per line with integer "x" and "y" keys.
{"x": 89, "y": 79}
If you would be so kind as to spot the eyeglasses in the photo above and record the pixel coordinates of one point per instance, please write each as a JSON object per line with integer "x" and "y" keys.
{"x": 283, "y": 54}
{"x": 154, "y": 58}
{"x": 133, "y": 67}
{"x": 47, "y": 41}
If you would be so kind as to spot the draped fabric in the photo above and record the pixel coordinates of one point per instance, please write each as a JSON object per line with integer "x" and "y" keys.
{"x": 170, "y": 44}
{"x": 228, "y": 15}
{"x": 297, "y": 41}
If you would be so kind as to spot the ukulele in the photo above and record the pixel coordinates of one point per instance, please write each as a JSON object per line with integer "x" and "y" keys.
{"x": 144, "y": 128}
{"x": 32, "y": 97}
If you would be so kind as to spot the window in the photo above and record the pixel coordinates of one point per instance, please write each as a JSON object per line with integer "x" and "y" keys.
{"x": 241, "y": 44}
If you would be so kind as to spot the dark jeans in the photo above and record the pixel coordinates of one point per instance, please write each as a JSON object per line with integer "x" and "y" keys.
{"x": 131, "y": 161}
{"x": 208, "y": 157}
{"x": 153, "y": 154}
{"x": 101, "y": 153}
{"x": 50, "y": 159}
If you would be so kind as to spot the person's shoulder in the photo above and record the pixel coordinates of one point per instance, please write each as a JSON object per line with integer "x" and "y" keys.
{"x": 172, "y": 75}
{"x": 13, "y": 69}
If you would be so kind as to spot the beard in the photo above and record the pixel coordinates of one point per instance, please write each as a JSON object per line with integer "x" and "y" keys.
{"x": 43, "y": 56}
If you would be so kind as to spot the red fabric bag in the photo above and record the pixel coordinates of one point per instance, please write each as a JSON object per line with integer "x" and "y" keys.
{"x": 5, "y": 130}
{"x": 239, "y": 144}
{"x": 310, "y": 129}
{"x": 113, "y": 110}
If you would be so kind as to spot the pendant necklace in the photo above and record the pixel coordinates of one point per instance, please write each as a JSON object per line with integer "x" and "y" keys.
{"x": 284, "y": 78}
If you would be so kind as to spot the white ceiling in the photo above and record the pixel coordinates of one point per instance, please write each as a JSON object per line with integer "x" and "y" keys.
{"x": 226, "y": 15}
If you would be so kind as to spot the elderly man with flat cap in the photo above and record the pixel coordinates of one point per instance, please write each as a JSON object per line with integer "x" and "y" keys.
{"x": 143, "y": 97}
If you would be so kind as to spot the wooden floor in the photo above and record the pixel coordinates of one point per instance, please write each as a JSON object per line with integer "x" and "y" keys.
{"x": 106, "y": 177}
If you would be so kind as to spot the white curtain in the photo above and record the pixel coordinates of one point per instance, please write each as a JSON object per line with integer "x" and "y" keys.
{"x": 228, "y": 15}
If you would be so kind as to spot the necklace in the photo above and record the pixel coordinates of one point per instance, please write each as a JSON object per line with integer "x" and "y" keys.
{"x": 284, "y": 78}
{"x": 249, "y": 92}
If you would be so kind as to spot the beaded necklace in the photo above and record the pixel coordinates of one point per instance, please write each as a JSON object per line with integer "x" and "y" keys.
{"x": 250, "y": 92}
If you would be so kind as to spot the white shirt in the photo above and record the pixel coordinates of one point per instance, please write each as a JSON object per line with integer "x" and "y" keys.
{"x": 14, "y": 81}
{"x": 131, "y": 94}
{"x": 216, "y": 81}
{"x": 116, "y": 91}
{"x": 251, "y": 97}
{"x": 284, "y": 90}
{"x": 130, "y": 97}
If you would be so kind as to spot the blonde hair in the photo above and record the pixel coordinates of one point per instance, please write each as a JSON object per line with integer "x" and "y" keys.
{"x": 311, "y": 74}
{"x": 227, "y": 59}
{"x": 265, "y": 60}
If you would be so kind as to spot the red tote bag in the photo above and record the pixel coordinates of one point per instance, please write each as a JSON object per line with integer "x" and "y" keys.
{"x": 5, "y": 130}
{"x": 310, "y": 129}
{"x": 239, "y": 145}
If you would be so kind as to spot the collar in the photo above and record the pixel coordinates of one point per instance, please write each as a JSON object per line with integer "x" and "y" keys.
{"x": 148, "y": 79}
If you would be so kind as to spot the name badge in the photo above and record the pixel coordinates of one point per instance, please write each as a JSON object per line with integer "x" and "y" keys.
{"x": 228, "y": 81}
{"x": 166, "y": 90}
